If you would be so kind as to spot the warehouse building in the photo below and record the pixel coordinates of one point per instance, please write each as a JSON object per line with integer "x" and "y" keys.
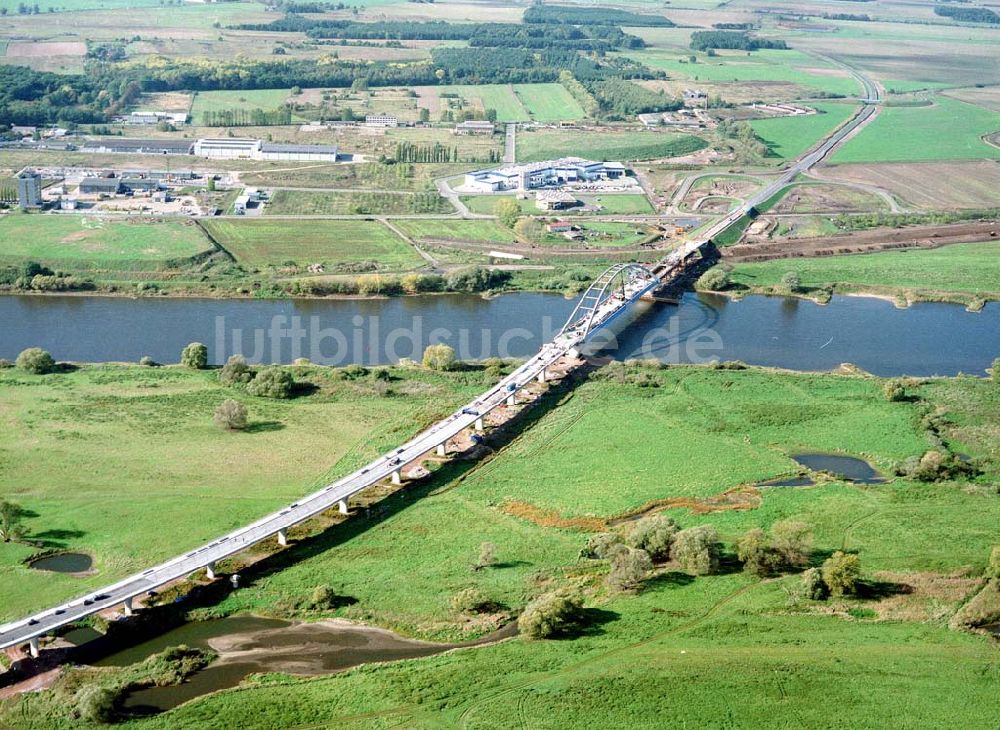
{"x": 125, "y": 145}
{"x": 29, "y": 189}
{"x": 100, "y": 186}
{"x": 228, "y": 148}
{"x": 317, "y": 152}
{"x": 474, "y": 126}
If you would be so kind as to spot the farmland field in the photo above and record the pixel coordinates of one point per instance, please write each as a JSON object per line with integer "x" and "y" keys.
{"x": 300, "y": 202}
{"x": 82, "y": 242}
{"x": 931, "y": 185}
{"x": 972, "y": 268}
{"x": 789, "y": 137}
{"x": 948, "y": 130}
{"x": 333, "y": 242}
{"x": 548, "y": 102}
{"x": 551, "y": 144}
{"x": 247, "y": 100}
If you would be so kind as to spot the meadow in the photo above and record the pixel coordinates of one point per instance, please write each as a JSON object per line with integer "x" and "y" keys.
{"x": 518, "y": 102}
{"x": 972, "y": 268}
{"x": 788, "y": 137}
{"x": 612, "y": 204}
{"x": 245, "y": 100}
{"x": 883, "y": 657}
{"x": 473, "y": 230}
{"x": 948, "y": 130}
{"x": 332, "y": 242}
{"x": 82, "y": 242}
{"x": 301, "y": 202}
{"x": 551, "y": 144}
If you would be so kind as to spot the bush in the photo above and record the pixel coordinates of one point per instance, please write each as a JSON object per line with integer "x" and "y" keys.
{"x": 231, "y": 415}
{"x": 841, "y": 573}
{"x": 95, "y": 704}
{"x": 601, "y": 546}
{"x": 235, "y": 371}
{"x": 472, "y": 601}
{"x": 195, "y": 356}
{"x": 439, "y": 357}
{"x": 995, "y": 371}
{"x": 322, "y": 598}
{"x": 993, "y": 570}
{"x": 553, "y": 614}
{"x": 696, "y": 549}
{"x": 272, "y": 382}
{"x": 487, "y": 556}
{"x": 629, "y": 568}
{"x": 757, "y": 556}
{"x": 894, "y": 391}
{"x": 5, "y": 363}
{"x": 935, "y": 466}
{"x": 715, "y": 279}
{"x": 36, "y": 360}
{"x": 655, "y": 535}
{"x": 477, "y": 279}
{"x": 147, "y": 362}
{"x": 813, "y": 586}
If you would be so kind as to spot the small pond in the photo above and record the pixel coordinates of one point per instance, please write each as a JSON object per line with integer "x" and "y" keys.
{"x": 64, "y": 563}
{"x": 856, "y": 470}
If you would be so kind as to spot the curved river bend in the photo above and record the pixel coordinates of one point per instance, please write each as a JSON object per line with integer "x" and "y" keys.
{"x": 926, "y": 339}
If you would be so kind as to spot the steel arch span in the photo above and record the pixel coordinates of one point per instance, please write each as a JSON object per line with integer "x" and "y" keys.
{"x": 624, "y": 282}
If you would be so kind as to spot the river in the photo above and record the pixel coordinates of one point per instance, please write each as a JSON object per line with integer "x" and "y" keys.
{"x": 925, "y": 339}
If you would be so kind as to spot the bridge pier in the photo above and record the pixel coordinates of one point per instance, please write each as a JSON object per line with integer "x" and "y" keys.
{"x": 541, "y": 375}
{"x": 511, "y": 400}
{"x": 127, "y": 604}
{"x": 397, "y": 477}
{"x": 33, "y": 648}
{"x": 210, "y": 571}
{"x": 283, "y": 538}
{"x": 442, "y": 449}
{"x": 342, "y": 507}
{"x": 478, "y": 425}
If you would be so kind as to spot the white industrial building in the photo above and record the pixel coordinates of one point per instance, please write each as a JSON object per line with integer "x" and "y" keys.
{"x": 542, "y": 174}
{"x": 155, "y": 117}
{"x": 241, "y": 148}
{"x": 381, "y": 120}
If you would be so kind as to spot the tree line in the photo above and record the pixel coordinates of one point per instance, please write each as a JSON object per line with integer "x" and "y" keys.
{"x": 246, "y": 117}
{"x": 572, "y": 15}
{"x": 967, "y": 15}
{"x": 703, "y": 40}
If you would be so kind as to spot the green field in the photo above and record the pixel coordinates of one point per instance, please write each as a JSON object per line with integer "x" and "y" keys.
{"x": 552, "y": 144}
{"x": 300, "y": 202}
{"x": 949, "y": 130}
{"x": 789, "y": 137}
{"x": 972, "y": 268}
{"x": 332, "y": 242}
{"x": 886, "y": 659}
{"x": 764, "y": 66}
{"x": 82, "y": 242}
{"x": 249, "y": 99}
{"x": 616, "y": 204}
{"x": 472, "y": 230}
{"x": 520, "y": 102}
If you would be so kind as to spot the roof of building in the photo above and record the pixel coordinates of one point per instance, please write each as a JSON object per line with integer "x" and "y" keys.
{"x": 299, "y": 148}
{"x": 555, "y": 196}
{"x": 105, "y": 183}
{"x": 562, "y": 163}
{"x": 126, "y": 144}
{"x": 476, "y": 123}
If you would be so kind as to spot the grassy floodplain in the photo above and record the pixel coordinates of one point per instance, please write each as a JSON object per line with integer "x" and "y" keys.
{"x": 789, "y": 137}
{"x": 948, "y": 130}
{"x": 473, "y": 230}
{"x": 276, "y": 242}
{"x": 300, "y": 202}
{"x": 967, "y": 268}
{"x": 85, "y": 242}
{"x": 883, "y": 658}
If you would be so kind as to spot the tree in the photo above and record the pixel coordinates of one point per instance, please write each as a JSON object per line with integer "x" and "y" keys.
{"x": 601, "y": 546}
{"x": 551, "y": 615}
{"x": 195, "y": 356}
{"x": 791, "y": 281}
{"x": 36, "y": 360}
{"x": 696, "y": 549}
{"x": 235, "y": 371}
{"x": 487, "y": 556}
{"x": 792, "y": 541}
{"x": 507, "y": 211}
{"x": 425, "y": 115}
{"x": 272, "y": 382}
{"x": 528, "y": 229}
{"x": 993, "y": 570}
{"x": 439, "y": 357}
{"x": 629, "y": 568}
{"x": 841, "y": 573}
{"x": 655, "y": 535}
{"x": 210, "y": 185}
{"x": 11, "y": 515}
{"x": 894, "y": 391}
{"x": 813, "y": 586}
{"x": 755, "y": 553}
{"x": 715, "y": 279}
{"x": 231, "y": 415}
